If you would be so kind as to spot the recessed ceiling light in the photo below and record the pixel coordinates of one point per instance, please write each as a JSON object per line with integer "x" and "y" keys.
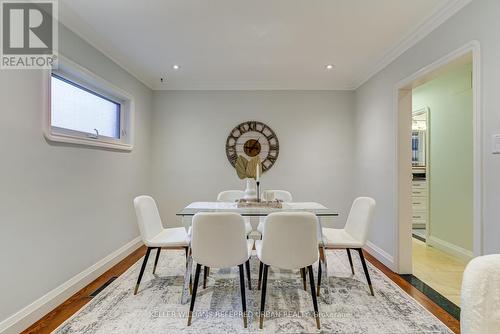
{"x": 176, "y": 67}
{"x": 330, "y": 67}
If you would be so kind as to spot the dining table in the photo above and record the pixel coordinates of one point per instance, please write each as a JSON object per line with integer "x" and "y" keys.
{"x": 259, "y": 211}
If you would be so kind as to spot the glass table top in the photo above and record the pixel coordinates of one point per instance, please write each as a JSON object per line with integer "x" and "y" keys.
{"x": 316, "y": 208}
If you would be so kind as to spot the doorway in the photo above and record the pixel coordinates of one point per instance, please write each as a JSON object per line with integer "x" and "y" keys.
{"x": 439, "y": 174}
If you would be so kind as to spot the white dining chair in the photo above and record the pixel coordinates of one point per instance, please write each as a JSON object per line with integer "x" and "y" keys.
{"x": 352, "y": 236}
{"x": 480, "y": 296}
{"x": 153, "y": 234}
{"x": 281, "y": 195}
{"x": 295, "y": 249}
{"x": 218, "y": 240}
{"x": 226, "y": 196}
{"x": 230, "y": 195}
{"x": 233, "y": 196}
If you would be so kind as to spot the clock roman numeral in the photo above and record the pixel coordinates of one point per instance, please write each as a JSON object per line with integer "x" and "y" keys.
{"x": 273, "y": 148}
{"x": 242, "y": 128}
{"x": 269, "y": 137}
{"x": 232, "y": 158}
{"x": 271, "y": 159}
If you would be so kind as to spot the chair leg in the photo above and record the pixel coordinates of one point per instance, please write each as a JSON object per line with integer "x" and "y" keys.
{"x": 367, "y": 274}
{"x": 350, "y": 259}
{"x": 303, "y": 273}
{"x": 313, "y": 294}
{"x": 205, "y": 275}
{"x": 249, "y": 278}
{"x": 156, "y": 259}
{"x": 243, "y": 300}
{"x": 319, "y": 278}
{"x": 324, "y": 261}
{"x": 195, "y": 288}
{"x": 260, "y": 275}
{"x": 142, "y": 269}
{"x": 187, "y": 249}
{"x": 263, "y": 297}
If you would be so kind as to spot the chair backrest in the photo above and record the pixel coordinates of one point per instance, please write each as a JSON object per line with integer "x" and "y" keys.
{"x": 281, "y": 195}
{"x": 218, "y": 239}
{"x": 289, "y": 240}
{"x": 360, "y": 217}
{"x": 148, "y": 217}
{"x": 480, "y": 296}
{"x": 230, "y": 195}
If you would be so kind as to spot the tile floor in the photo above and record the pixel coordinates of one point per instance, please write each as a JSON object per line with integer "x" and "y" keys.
{"x": 439, "y": 270}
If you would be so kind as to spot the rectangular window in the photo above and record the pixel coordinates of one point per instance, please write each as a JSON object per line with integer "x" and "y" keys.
{"x": 80, "y": 109}
{"x": 85, "y": 109}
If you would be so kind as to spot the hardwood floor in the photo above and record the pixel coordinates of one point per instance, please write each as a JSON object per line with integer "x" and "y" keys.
{"x": 439, "y": 270}
{"x": 432, "y": 307}
{"x": 52, "y": 320}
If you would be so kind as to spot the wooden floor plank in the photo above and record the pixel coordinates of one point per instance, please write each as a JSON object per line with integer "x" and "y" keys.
{"x": 428, "y": 304}
{"x": 64, "y": 311}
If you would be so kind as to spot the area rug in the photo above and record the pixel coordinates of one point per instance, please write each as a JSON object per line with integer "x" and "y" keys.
{"x": 345, "y": 304}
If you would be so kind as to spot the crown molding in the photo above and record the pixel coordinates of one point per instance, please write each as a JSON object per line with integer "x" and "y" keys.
{"x": 110, "y": 57}
{"x": 424, "y": 28}
{"x": 70, "y": 20}
{"x": 421, "y": 30}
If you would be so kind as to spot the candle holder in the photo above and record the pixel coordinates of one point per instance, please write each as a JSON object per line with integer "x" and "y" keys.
{"x": 258, "y": 191}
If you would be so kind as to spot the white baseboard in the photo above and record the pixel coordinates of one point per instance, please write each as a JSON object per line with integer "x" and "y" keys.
{"x": 380, "y": 254}
{"x": 22, "y": 319}
{"x": 450, "y": 248}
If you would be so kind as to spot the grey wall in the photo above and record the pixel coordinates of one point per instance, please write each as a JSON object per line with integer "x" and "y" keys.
{"x": 375, "y": 137}
{"x": 63, "y": 207}
{"x": 189, "y": 135}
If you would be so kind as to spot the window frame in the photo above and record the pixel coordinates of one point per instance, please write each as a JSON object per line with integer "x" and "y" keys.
{"x": 84, "y": 79}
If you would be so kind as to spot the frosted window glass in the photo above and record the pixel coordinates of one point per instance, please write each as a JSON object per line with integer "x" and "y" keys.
{"x": 76, "y": 108}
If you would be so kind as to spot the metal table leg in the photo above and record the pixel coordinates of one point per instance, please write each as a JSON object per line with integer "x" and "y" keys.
{"x": 322, "y": 261}
{"x": 187, "y": 278}
{"x": 324, "y": 265}
{"x": 189, "y": 268}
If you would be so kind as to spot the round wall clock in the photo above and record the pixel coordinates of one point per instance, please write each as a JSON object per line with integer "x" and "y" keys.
{"x": 250, "y": 139}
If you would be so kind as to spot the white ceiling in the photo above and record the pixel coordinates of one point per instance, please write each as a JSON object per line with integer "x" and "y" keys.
{"x": 241, "y": 44}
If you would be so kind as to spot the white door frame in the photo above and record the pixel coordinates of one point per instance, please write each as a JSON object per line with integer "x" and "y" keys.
{"x": 402, "y": 214}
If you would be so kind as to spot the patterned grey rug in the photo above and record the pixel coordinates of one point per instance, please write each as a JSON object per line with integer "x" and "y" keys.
{"x": 345, "y": 305}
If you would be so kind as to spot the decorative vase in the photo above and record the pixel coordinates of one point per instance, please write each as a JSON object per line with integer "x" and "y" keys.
{"x": 251, "y": 190}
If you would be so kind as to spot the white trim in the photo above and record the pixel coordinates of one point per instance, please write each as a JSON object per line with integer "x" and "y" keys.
{"x": 86, "y": 78}
{"x": 380, "y": 254}
{"x": 120, "y": 64}
{"x": 40, "y": 307}
{"x": 420, "y": 305}
{"x": 478, "y": 150}
{"x": 450, "y": 248}
{"x": 423, "y": 29}
{"x": 474, "y": 47}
